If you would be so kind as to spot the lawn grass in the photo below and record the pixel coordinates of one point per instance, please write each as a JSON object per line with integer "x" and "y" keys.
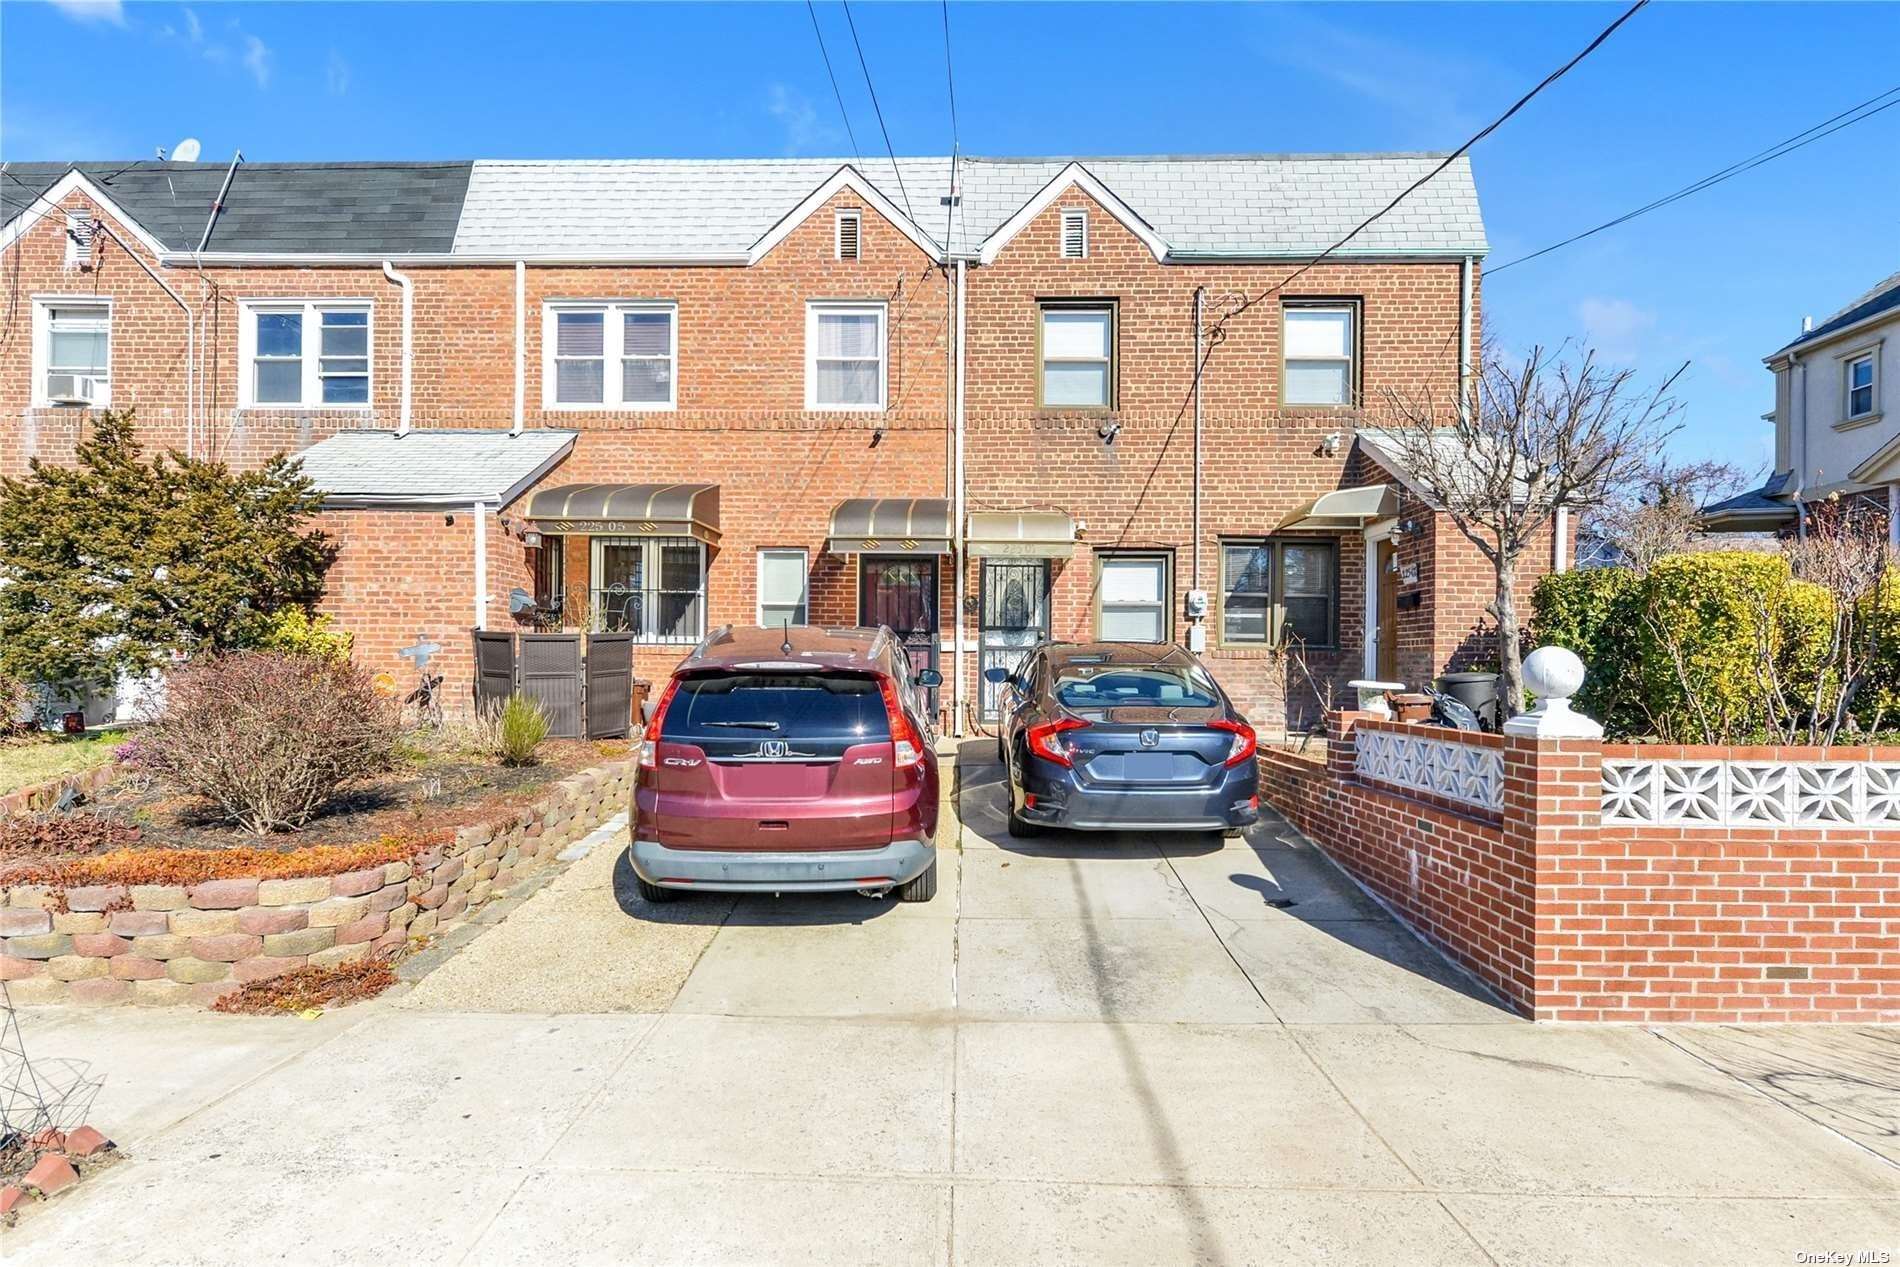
{"x": 25, "y": 764}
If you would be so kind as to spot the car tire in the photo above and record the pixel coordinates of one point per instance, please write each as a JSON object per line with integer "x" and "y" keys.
{"x": 920, "y": 887}
{"x": 1021, "y": 827}
{"x": 654, "y": 893}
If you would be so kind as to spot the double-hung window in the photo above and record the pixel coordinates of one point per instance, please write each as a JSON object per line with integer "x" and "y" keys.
{"x": 1134, "y": 598}
{"x": 1320, "y": 342}
{"x": 1077, "y": 343}
{"x": 1275, "y": 592}
{"x": 844, "y": 355}
{"x": 783, "y": 597}
{"x": 618, "y": 355}
{"x": 1860, "y": 385}
{"x": 651, "y": 587}
{"x": 72, "y": 352}
{"x": 304, "y": 354}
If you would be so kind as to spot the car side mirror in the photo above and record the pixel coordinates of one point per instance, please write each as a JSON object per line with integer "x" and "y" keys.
{"x": 998, "y": 676}
{"x": 928, "y": 677}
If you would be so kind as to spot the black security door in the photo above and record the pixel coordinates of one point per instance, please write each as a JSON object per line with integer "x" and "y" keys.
{"x": 902, "y": 593}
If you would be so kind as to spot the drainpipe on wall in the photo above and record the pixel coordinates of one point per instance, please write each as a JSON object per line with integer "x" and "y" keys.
{"x": 191, "y": 327}
{"x": 1800, "y": 410}
{"x": 1200, "y": 303}
{"x": 521, "y": 345}
{"x": 957, "y": 510}
{"x": 1561, "y": 544}
{"x": 481, "y": 565}
{"x": 1464, "y": 334}
{"x": 204, "y": 283}
{"x": 408, "y": 331}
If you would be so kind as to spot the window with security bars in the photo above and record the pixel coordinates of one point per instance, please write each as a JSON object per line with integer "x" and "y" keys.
{"x": 651, "y": 587}
{"x": 844, "y": 356}
{"x": 306, "y": 354}
{"x": 1274, "y": 592}
{"x": 72, "y": 348}
{"x": 612, "y": 355}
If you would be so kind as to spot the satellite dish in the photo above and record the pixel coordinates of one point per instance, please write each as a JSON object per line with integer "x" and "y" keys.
{"x": 186, "y": 151}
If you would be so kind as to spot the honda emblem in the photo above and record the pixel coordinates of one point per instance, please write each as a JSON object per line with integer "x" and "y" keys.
{"x": 774, "y": 748}
{"x": 1150, "y": 738}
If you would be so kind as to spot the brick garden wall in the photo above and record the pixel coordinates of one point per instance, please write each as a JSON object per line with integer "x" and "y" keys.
{"x": 1574, "y": 919}
{"x": 160, "y": 944}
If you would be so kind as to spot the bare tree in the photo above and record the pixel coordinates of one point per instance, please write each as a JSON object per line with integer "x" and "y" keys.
{"x": 1529, "y": 437}
{"x": 1846, "y": 552}
{"x": 1658, "y": 511}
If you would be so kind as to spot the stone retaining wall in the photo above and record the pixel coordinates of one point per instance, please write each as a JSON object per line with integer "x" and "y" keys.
{"x": 44, "y": 796}
{"x": 190, "y": 944}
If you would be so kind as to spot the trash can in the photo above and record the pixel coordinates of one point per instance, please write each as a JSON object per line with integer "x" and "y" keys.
{"x": 1476, "y": 691}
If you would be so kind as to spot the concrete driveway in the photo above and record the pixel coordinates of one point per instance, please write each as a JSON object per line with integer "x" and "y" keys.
{"x": 1087, "y": 1050}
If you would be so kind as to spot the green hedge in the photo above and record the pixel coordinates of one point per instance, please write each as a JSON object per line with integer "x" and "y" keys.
{"x": 1676, "y": 654}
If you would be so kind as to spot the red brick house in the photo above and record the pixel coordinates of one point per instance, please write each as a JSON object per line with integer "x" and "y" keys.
{"x": 659, "y": 396}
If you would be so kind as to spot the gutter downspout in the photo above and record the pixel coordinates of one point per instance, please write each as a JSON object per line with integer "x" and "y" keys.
{"x": 958, "y": 703}
{"x": 521, "y": 345}
{"x": 204, "y": 284}
{"x": 190, "y": 328}
{"x": 408, "y": 331}
{"x": 1200, "y": 303}
{"x": 1800, "y": 409}
{"x": 481, "y": 565}
{"x": 1464, "y": 334}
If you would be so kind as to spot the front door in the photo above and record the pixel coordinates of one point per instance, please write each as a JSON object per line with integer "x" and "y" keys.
{"x": 1015, "y": 617}
{"x": 1386, "y": 619}
{"x": 902, "y": 593}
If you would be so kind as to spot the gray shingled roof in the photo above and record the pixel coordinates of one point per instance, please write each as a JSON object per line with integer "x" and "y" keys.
{"x": 1260, "y": 205}
{"x": 352, "y": 208}
{"x": 1884, "y": 297}
{"x": 1768, "y": 500}
{"x": 432, "y": 467}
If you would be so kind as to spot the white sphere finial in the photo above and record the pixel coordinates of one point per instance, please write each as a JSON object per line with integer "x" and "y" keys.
{"x": 1553, "y": 675}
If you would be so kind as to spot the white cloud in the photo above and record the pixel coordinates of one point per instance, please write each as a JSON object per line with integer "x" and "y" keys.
{"x": 1614, "y": 327}
{"x": 1425, "y": 87}
{"x": 336, "y": 74}
{"x": 257, "y": 58}
{"x": 112, "y": 11}
{"x": 796, "y": 115}
{"x": 195, "y": 27}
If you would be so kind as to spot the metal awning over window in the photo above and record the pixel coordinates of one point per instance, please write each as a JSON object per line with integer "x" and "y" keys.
{"x": 890, "y": 525}
{"x": 1020, "y": 534}
{"x": 661, "y": 510}
{"x": 1344, "y": 509}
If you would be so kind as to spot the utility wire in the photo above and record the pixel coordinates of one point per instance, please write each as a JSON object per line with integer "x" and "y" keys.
{"x": 950, "y": 75}
{"x": 842, "y": 112}
{"x": 954, "y": 199}
{"x": 1861, "y": 113}
{"x": 1451, "y": 158}
{"x": 865, "y": 66}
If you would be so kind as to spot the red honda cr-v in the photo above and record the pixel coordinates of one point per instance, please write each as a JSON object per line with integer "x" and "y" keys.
{"x": 783, "y": 760}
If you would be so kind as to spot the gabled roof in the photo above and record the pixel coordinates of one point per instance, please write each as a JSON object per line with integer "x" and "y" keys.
{"x": 355, "y": 208}
{"x": 431, "y": 468}
{"x": 1884, "y": 297}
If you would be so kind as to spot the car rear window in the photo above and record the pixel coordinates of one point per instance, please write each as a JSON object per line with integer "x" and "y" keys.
{"x": 1080, "y": 685}
{"x": 753, "y": 705}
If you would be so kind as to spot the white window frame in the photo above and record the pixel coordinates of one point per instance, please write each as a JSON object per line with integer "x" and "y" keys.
{"x": 1872, "y": 357}
{"x": 1164, "y": 605}
{"x": 43, "y": 306}
{"x": 1352, "y": 313}
{"x": 311, "y": 391}
{"x": 1110, "y": 309}
{"x": 856, "y": 217}
{"x": 853, "y": 308}
{"x": 1079, "y": 215}
{"x": 804, "y": 571}
{"x": 613, "y": 349}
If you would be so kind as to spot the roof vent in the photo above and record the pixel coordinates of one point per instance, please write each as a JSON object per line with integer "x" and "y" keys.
{"x": 79, "y": 239}
{"x": 1075, "y": 235}
{"x": 1807, "y": 325}
{"x": 848, "y": 225}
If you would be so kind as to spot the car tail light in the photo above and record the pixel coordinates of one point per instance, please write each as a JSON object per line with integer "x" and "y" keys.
{"x": 650, "y": 749}
{"x": 1045, "y": 739}
{"x": 1245, "y": 744}
{"x": 909, "y": 745}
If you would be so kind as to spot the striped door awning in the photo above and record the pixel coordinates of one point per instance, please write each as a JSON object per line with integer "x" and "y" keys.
{"x": 1020, "y": 534}
{"x": 665, "y": 510}
{"x": 890, "y": 525}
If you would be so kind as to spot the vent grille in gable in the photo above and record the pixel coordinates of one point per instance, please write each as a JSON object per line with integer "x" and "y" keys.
{"x": 79, "y": 239}
{"x": 848, "y": 222}
{"x": 1075, "y": 235}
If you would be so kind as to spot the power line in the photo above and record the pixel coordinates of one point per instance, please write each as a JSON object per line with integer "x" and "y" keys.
{"x": 950, "y": 76}
{"x": 1451, "y": 158}
{"x": 865, "y": 67}
{"x": 1779, "y": 149}
{"x": 954, "y": 199}
{"x": 842, "y": 112}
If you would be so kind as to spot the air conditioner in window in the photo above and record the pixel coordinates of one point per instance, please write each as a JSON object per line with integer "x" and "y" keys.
{"x": 73, "y": 389}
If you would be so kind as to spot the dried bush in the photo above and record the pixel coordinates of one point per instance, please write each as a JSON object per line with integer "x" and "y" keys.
{"x": 194, "y": 866}
{"x": 515, "y": 730}
{"x": 50, "y": 835}
{"x": 17, "y": 702}
{"x": 303, "y": 988}
{"x": 267, "y": 738}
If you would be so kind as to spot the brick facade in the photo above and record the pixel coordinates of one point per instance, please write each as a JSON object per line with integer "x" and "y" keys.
{"x": 1570, "y": 918}
{"x": 741, "y": 422}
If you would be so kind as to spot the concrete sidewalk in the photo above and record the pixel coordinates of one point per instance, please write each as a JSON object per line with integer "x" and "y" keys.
{"x": 1130, "y": 1050}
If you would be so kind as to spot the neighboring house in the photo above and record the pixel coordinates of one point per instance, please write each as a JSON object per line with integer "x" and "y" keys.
{"x": 1836, "y": 416}
{"x": 664, "y": 395}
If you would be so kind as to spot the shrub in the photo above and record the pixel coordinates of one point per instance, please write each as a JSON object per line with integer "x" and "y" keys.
{"x": 294, "y": 631}
{"x": 1593, "y": 612}
{"x": 17, "y": 702}
{"x": 267, "y": 738}
{"x": 49, "y": 835}
{"x": 516, "y": 729}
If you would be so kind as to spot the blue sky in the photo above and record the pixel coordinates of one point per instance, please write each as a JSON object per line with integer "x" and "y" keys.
{"x": 1718, "y": 280}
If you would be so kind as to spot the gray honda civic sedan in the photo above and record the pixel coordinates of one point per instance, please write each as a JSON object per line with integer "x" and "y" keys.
{"x": 1112, "y": 736}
